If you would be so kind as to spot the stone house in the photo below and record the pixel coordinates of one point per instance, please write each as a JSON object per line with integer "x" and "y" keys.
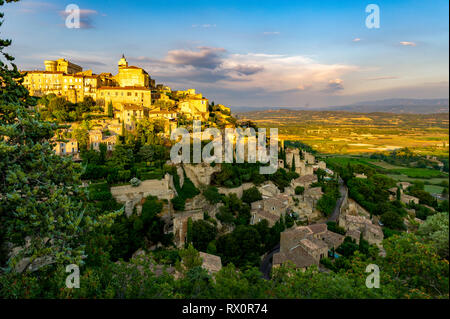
{"x": 211, "y": 263}
{"x": 304, "y": 181}
{"x": 306, "y": 245}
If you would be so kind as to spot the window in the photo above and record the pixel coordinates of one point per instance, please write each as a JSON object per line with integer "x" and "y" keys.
{"x": 129, "y": 94}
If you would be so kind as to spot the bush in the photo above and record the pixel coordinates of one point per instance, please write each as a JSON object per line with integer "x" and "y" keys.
{"x": 326, "y": 204}
{"x": 333, "y": 226}
{"x": 123, "y": 175}
{"x": 212, "y": 195}
{"x": 178, "y": 203}
{"x": 299, "y": 190}
{"x": 135, "y": 182}
{"x": 251, "y": 195}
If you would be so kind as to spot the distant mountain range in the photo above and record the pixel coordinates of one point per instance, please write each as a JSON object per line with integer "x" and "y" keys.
{"x": 414, "y": 106}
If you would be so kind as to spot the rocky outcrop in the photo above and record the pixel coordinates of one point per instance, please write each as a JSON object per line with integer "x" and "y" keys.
{"x": 132, "y": 196}
{"x": 200, "y": 174}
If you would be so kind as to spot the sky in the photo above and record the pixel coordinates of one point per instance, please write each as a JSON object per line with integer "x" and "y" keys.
{"x": 257, "y": 53}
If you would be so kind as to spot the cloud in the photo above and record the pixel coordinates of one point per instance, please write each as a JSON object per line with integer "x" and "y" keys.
{"x": 356, "y": 40}
{"x": 263, "y": 76}
{"x": 271, "y": 33}
{"x": 248, "y": 69}
{"x": 382, "y": 78}
{"x": 86, "y": 20}
{"x": 407, "y": 43}
{"x": 206, "y": 57}
{"x": 34, "y": 6}
{"x": 334, "y": 86}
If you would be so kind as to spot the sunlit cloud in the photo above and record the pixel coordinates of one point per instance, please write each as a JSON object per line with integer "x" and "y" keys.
{"x": 382, "y": 78}
{"x": 407, "y": 43}
{"x": 356, "y": 40}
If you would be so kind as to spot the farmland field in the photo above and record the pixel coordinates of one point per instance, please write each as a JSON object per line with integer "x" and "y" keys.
{"x": 338, "y": 132}
{"x": 433, "y": 189}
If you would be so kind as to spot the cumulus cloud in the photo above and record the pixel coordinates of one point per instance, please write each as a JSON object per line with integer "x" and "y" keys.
{"x": 334, "y": 86}
{"x": 356, "y": 40}
{"x": 271, "y": 74}
{"x": 407, "y": 43}
{"x": 205, "y": 57}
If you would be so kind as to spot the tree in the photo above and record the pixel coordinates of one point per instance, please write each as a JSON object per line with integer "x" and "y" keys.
{"x": 190, "y": 258}
{"x": 122, "y": 157}
{"x": 435, "y": 231}
{"x": 42, "y": 203}
{"x": 212, "y": 195}
{"x": 299, "y": 190}
{"x": 189, "y": 231}
{"x": 110, "y": 109}
{"x": 326, "y": 204}
{"x": 320, "y": 175}
{"x": 392, "y": 220}
{"x": 251, "y": 195}
{"x": 81, "y": 134}
{"x": 203, "y": 233}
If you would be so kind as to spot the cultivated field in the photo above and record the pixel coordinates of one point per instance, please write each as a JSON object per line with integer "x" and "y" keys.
{"x": 357, "y": 133}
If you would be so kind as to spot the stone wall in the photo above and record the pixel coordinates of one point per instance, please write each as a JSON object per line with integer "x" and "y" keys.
{"x": 180, "y": 222}
{"x": 236, "y": 190}
{"x": 132, "y": 196}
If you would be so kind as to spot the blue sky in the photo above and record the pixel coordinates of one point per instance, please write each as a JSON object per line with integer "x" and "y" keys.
{"x": 249, "y": 53}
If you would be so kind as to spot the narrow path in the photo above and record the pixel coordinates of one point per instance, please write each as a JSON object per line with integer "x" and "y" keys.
{"x": 342, "y": 190}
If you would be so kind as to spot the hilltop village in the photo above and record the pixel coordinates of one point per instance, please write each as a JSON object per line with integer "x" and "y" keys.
{"x": 120, "y": 102}
{"x": 118, "y": 127}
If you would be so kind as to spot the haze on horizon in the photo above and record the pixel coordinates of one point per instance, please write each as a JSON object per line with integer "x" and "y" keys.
{"x": 249, "y": 53}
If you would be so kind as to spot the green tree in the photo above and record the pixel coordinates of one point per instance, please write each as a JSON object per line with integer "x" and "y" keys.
{"x": 299, "y": 190}
{"x": 41, "y": 197}
{"x": 203, "y": 233}
{"x": 436, "y": 232}
{"x": 251, "y": 195}
{"x": 110, "y": 110}
{"x": 212, "y": 194}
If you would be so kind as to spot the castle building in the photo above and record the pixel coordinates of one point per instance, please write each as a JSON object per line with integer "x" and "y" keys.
{"x": 64, "y": 78}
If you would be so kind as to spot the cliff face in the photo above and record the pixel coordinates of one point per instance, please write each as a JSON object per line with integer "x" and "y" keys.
{"x": 200, "y": 174}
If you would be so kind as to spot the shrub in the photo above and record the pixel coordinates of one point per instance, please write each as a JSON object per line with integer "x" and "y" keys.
{"x": 251, "y": 195}
{"x": 299, "y": 190}
{"x": 178, "y": 203}
{"x": 212, "y": 195}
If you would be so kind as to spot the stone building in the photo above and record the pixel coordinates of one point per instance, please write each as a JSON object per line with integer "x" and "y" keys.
{"x": 180, "y": 226}
{"x": 306, "y": 245}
